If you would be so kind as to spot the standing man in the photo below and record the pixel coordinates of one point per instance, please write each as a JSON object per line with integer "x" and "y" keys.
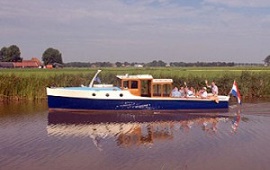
{"x": 213, "y": 86}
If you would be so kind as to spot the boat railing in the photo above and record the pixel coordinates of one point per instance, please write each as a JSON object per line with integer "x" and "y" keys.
{"x": 94, "y": 78}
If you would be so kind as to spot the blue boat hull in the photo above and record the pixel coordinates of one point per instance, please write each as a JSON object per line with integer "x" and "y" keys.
{"x": 69, "y": 103}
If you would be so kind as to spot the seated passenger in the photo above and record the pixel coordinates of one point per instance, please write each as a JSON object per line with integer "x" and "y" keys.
{"x": 213, "y": 87}
{"x": 193, "y": 90}
{"x": 175, "y": 92}
{"x": 203, "y": 93}
{"x": 190, "y": 92}
{"x": 182, "y": 92}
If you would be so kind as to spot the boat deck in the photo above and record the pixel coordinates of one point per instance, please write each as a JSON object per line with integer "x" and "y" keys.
{"x": 94, "y": 88}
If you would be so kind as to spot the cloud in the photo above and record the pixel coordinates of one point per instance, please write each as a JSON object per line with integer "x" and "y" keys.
{"x": 241, "y": 3}
{"x": 143, "y": 27}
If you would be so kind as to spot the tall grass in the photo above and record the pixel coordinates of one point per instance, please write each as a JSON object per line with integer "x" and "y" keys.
{"x": 31, "y": 84}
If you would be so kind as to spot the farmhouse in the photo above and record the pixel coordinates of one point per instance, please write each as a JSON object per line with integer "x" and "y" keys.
{"x": 6, "y": 65}
{"x": 33, "y": 63}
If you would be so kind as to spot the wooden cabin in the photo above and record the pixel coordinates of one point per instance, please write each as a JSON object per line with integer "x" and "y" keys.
{"x": 145, "y": 85}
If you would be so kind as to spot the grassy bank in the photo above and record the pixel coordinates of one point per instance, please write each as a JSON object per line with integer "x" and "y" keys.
{"x": 30, "y": 84}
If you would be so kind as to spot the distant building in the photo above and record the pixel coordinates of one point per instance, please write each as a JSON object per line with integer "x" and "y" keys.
{"x": 54, "y": 65}
{"x": 138, "y": 65}
{"x": 6, "y": 65}
{"x": 49, "y": 66}
{"x": 33, "y": 63}
{"x": 57, "y": 65}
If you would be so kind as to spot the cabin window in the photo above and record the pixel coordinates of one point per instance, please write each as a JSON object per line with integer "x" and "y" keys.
{"x": 118, "y": 84}
{"x": 146, "y": 88}
{"x": 157, "y": 90}
{"x": 167, "y": 90}
{"x": 107, "y": 94}
{"x": 121, "y": 95}
{"x": 125, "y": 84}
{"x": 93, "y": 94}
{"x": 134, "y": 84}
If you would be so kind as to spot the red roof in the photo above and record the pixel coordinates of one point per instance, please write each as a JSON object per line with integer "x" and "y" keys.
{"x": 26, "y": 64}
{"x": 34, "y": 63}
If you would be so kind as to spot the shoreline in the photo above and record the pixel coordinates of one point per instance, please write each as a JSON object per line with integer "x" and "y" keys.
{"x": 30, "y": 85}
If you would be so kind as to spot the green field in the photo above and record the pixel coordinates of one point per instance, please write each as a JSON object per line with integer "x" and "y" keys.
{"x": 30, "y": 84}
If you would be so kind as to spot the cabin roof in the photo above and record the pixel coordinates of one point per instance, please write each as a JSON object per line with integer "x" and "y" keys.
{"x": 139, "y": 76}
{"x": 162, "y": 80}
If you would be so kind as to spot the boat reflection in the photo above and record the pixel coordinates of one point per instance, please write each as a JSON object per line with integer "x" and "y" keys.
{"x": 131, "y": 129}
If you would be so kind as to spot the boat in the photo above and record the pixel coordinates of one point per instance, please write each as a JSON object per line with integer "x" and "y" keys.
{"x": 132, "y": 92}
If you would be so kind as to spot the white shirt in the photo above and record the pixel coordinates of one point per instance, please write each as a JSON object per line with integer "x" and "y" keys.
{"x": 215, "y": 90}
{"x": 204, "y": 94}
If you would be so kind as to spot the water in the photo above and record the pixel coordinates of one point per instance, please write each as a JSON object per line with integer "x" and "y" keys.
{"x": 32, "y": 138}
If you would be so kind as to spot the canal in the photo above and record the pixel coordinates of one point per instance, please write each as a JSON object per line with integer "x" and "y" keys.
{"x": 33, "y": 138}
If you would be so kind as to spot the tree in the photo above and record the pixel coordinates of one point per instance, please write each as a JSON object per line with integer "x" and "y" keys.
{"x": 10, "y": 54}
{"x": 3, "y": 54}
{"x": 118, "y": 64}
{"x": 14, "y": 53}
{"x": 155, "y": 63}
{"x": 51, "y": 56}
{"x": 267, "y": 60}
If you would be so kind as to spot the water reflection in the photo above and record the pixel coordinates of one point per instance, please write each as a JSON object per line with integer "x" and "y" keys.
{"x": 133, "y": 129}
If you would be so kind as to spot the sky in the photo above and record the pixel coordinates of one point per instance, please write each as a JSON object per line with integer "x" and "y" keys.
{"x": 139, "y": 30}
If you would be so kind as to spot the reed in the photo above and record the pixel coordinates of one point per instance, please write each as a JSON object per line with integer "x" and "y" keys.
{"x": 29, "y": 84}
